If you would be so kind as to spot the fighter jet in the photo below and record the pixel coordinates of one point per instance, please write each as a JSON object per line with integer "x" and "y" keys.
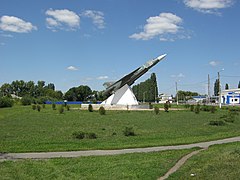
{"x": 130, "y": 78}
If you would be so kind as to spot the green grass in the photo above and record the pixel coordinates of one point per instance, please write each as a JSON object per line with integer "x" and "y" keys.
{"x": 129, "y": 166}
{"x": 219, "y": 162}
{"x": 25, "y": 130}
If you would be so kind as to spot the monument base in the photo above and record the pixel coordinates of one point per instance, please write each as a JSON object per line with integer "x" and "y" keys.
{"x": 124, "y": 96}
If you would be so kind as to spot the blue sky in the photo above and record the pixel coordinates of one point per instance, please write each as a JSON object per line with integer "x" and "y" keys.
{"x": 89, "y": 42}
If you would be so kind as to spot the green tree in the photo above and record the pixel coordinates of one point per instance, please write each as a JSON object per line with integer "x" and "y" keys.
{"x": 216, "y": 87}
{"x": 147, "y": 90}
{"x": 6, "y": 89}
{"x": 80, "y": 93}
{"x": 226, "y": 86}
{"x": 186, "y": 95}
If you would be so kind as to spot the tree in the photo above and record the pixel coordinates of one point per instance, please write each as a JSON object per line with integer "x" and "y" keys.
{"x": 78, "y": 93}
{"x": 186, "y": 95}
{"x": 216, "y": 87}
{"x": 226, "y": 86}
{"x": 147, "y": 90}
{"x": 239, "y": 84}
{"x": 6, "y": 89}
{"x": 51, "y": 86}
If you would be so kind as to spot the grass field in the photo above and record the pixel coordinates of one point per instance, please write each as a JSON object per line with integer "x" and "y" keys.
{"x": 129, "y": 166}
{"x": 219, "y": 162}
{"x": 25, "y": 130}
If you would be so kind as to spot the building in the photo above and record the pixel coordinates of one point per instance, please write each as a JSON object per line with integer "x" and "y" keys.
{"x": 163, "y": 98}
{"x": 230, "y": 96}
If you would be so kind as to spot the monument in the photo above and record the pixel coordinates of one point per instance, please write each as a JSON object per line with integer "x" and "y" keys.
{"x": 120, "y": 92}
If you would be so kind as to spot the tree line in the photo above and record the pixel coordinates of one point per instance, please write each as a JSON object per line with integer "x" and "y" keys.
{"x": 41, "y": 92}
{"x": 147, "y": 91}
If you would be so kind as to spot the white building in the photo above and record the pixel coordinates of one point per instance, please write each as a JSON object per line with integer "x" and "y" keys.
{"x": 230, "y": 96}
{"x": 163, "y": 98}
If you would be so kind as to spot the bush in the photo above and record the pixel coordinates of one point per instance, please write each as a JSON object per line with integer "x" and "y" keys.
{"x": 102, "y": 110}
{"x": 197, "y": 109}
{"x": 68, "y": 107}
{"x": 82, "y": 135}
{"x": 90, "y": 108}
{"x": 43, "y": 106}
{"x": 187, "y": 106}
{"x": 61, "y": 110}
{"x": 38, "y": 108}
{"x": 91, "y": 136}
{"x": 192, "y": 108}
{"x": 213, "y": 109}
{"x": 53, "y": 106}
{"x": 205, "y": 108}
{"x": 34, "y": 107}
{"x": 230, "y": 116}
{"x": 78, "y": 135}
{"x": 6, "y": 102}
{"x": 166, "y": 107}
{"x": 156, "y": 110}
{"x": 129, "y": 131}
{"x": 26, "y": 100}
{"x": 217, "y": 123}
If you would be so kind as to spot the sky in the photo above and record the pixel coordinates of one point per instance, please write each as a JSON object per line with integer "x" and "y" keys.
{"x": 89, "y": 42}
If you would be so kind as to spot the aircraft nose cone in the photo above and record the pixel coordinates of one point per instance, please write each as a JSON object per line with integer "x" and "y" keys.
{"x": 161, "y": 57}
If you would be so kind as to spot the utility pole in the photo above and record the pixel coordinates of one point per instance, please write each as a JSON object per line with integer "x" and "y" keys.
{"x": 176, "y": 93}
{"x": 209, "y": 96}
{"x": 219, "y": 91}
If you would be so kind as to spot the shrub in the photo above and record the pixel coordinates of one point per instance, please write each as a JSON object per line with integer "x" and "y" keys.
{"x": 166, "y": 107}
{"x": 53, "y": 106}
{"x": 217, "y": 123}
{"x": 205, "y": 108}
{"x": 197, "y": 109}
{"x": 78, "y": 135}
{"x": 156, "y": 110}
{"x": 26, "y": 100}
{"x": 61, "y": 110}
{"x": 102, "y": 110}
{"x": 187, "y": 106}
{"x": 82, "y": 135}
{"x": 6, "y": 102}
{"x": 114, "y": 134}
{"x": 213, "y": 109}
{"x": 90, "y": 108}
{"x": 68, "y": 107}
{"x": 192, "y": 108}
{"x": 43, "y": 106}
{"x": 38, "y": 108}
{"x": 34, "y": 107}
{"x": 128, "y": 131}
{"x": 91, "y": 136}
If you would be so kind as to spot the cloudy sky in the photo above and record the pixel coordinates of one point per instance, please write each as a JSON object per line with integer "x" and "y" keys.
{"x": 70, "y": 43}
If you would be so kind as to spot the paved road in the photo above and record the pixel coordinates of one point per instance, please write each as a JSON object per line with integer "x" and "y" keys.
{"x": 72, "y": 154}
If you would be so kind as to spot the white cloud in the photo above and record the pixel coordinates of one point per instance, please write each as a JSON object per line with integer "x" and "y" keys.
{"x": 214, "y": 63}
{"x": 180, "y": 75}
{"x": 15, "y": 24}
{"x": 208, "y": 6}
{"x": 72, "y": 68}
{"x": 164, "y": 24}
{"x": 62, "y": 19}
{"x": 96, "y": 16}
{"x": 102, "y": 77}
{"x": 2, "y": 43}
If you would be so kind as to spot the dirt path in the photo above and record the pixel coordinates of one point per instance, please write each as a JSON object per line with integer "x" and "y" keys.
{"x": 179, "y": 164}
{"x": 72, "y": 154}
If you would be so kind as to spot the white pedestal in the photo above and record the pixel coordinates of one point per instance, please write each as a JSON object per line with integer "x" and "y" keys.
{"x": 123, "y": 96}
